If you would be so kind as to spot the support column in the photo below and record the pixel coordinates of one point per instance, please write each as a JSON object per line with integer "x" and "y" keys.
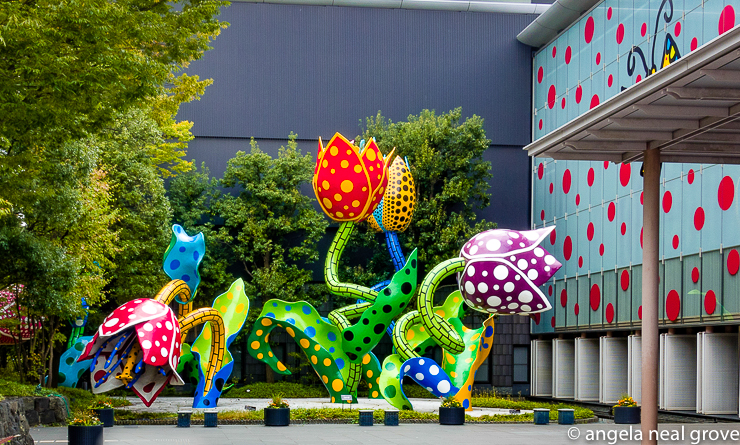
{"x": 650, "y": 278}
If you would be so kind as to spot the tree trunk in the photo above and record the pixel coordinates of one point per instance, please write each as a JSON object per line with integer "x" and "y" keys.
{"x": 269, "y": 375}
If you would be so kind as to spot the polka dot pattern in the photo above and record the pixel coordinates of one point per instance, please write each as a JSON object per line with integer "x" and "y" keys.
{"x": 397, "y": 206}
{"x": 182, "y": 258}
{"x": 427, "y": 373}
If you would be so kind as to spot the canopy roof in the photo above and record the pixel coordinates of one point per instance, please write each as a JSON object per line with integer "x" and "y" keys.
{"x": 688, "y": 110}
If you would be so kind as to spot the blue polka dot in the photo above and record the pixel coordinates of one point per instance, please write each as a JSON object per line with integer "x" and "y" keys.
{"x": 318, "y": 321}
{"x": 306, "y": 310}
{"x": 174, "y": 264}
{"x": 310, "y": 331}
{"x": 274, "y": 304}
{"x": 287, "y": 308}
{"x": 177, "y": 229}
{"x": 331, "y": 336}
{"x": 185, "y": 278}
{"x": 326, "y": 320}
{"x": 470, "y": 387}
{"x": 489, "y": 331}
{"x": 331, "y": 350}
{"x": 270, "y": 314}
{"x": 340, "y": 363}
{"x": 466, "y": 403}
{"x": 485, "y": 345}
{"x": 196, "y": 255}
{"x": 290, "y": 320}
{"x": 182, "y": 249}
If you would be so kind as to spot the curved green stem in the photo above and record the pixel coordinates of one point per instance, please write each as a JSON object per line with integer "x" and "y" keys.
{"x": 403, "y": 348}
{"x": 332, "y": 265}
{"x": 439, "y": 328}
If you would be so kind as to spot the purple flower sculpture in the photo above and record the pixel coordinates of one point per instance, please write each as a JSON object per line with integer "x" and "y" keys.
{"x": 504, "y": 269}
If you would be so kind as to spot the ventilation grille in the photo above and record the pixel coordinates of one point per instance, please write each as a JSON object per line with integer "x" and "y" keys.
{"x": 634, "y": 367}
{"x": 612, "y": 369}
{"x": 677, "y": 372}
{"x": 587, "y": 369}
{"x": 718, "y": 393}
{"x": 542, "y": 368}
{"x": 564, "y": 369}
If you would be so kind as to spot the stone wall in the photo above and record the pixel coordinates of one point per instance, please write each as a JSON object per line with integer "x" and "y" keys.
{"x": 18, "y": 415}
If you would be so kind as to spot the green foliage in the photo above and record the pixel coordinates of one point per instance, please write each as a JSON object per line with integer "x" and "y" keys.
{"x": 488, "y": 400}
{"x": 451, "y": 179}
{"x": 84, "y": 418}
{"x": 262, "y": 390}
{"x": 277, "y": 402}
{"x": 450, "y": 402}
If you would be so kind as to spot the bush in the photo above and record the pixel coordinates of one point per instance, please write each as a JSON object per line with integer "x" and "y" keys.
{"x": 490, "y": 400}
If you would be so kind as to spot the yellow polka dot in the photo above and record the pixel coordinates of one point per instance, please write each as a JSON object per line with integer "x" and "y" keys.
{"x": 453, "y": 374}
{"x": 369, "y": 373}
{"x": 255, "y": 345}
{"x": 280, "y": 366}
{"x": 472, "y": 347}
{"x": 358, "y": 168}
{"x": 377, "y": 380}
{"x": 364, "y": 189}
{"x": 332, "y": 399}
{"x": 194, "y": 349}
{"x": 440, "y": 312}
{"x": 344, "y": 164}
{"x": 239, "y": 308}
{"x": 230, "y": 295}
{"x": 349, "y": 152}
{"x": 371, "y": 154}
{"x": 337, "y": 197}
{"x": 325, "y": 184}
{"x": 259, "y": 356}
{"x": 267, "y": 338}
{"x": 455, "y": 300}
{"x": 327, "y": 203}
{"x": 421, "y": 329}
{"x": 334, "y": 150}
{"x": 366, "y": 359}
{"x": 304, "y": 343}
{"x": 347, "y": 186}
{"x": 259, "y": 332}
{"x": 325, "y": 379}
{"x": 378, "y": 176}
{"x": 410, "y": 335}
{"x": 327, "y": 362}
{"x": 355, "y": 203}
{"x": 475, "y": 337}
{"x": 314, "y": 360}
{"x": 316, "y": 347}
{"x": 470, "y": 360}
{"x": 351, "y": 214}
{"x": 290, "y": 332}
{"x": 372, "y": 168}
{"x": 340, "y": 214}
{"x": 266, "y": 322}
{"x": 375, "y": 394}
{"x": 450, "y": 359}
{"x": 325, "y": 163}
{"x": 337, "y": 385}
{"x": 332, "y": 171}
{"x": 269, "y": 353}
{"x": 223, "y": 309}
{"x": 206, "y": 334}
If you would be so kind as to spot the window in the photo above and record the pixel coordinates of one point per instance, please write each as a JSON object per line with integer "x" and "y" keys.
{"x": 521, "y": 364}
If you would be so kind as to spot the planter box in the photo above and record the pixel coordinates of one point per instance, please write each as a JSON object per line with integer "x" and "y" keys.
{"x": 626, "y": 414}
{"x": 366, "y": 417}
{"x": 85, "y": 435}
{"x": 106, "y": 416}
{"x": 451, "y": 416}
{"x": 277, "y": 416}
{"x": 541, "y": 416}
{"x": 183, "y": 418}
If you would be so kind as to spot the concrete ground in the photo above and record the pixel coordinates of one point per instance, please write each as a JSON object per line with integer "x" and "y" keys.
{"x": 172, "y": 404}
{"x": 404, "y": 434}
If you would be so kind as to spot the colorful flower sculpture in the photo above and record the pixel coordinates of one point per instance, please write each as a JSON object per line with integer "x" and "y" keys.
{"x": 396, "y": 209}
{"x": 8, "y": 311}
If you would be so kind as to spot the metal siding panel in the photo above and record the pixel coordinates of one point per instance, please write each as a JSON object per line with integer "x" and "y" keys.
{"x": 572, "y": 290}
{"x": 671, "y": 228}
{"x": 634, "y": 233}
{"x": 624, "y": 231}
{"x": 583, "y": 193}
{"x": 582, "y": 241}
{"x": 627, "y": 17}
{"x": 691, "y": 300}
{"x": 636, "y": 286}
{"x": 569, "y": 185}
{"x": 561, "y": 312}
{"x": 557, "y": 194}
{"x": 596, "y": 316}
{"x": 690, "y": 203}
{"x": 624, "y": 296}
{"x": 609, "y": 296}
{"x": 571, "y": 263}
{"x": 731, "y": 288}
{"x": 673, "y": 280}
{"x": 609, "y": 236}
{"x": 555, "y": 245}
{"x": 610, "y": 180}
{"x": 584, "y": 309}
{"x": 731, "y": 216}
{"x": 711, "y": 233}
{"x": 711, "y": 281}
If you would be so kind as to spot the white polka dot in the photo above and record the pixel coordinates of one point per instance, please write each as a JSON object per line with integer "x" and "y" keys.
{"x": 496, "y": 287}
{"x": 131, "y": 316}
{"x": 443, "y": 386}
{"x": 532, "y": 235}
{"x": 493, "y": 244}
{"x": 547, "y": 268}
{"x": 525, "y": 296}
{"x": 513, "y": 305}
{"x": 148, "y": 327}
{"x": 469, "y": 288}
{"x": 156, "y": 343}
{"x": 470, "y": 245}
{"x": 550, "y": 260}
{"x": 512, "y": 259}
{"x": 493, "y": 301}
{"x": 485, "y": 273}
{"x": 526, "y": 308}
{"x": 110, "y": 323}
{"x": 153, "y": 359}
{"x": 141, "y": 334}
{"x": 538, "y": 251}
{"x": 509, "y": 286}
{"x": 137, "y": 301}
{"x": 480, "y": 244}
{"x": 149, "y": 308}
{"x": 419, "y": 376}
{"x": 517, "y": 278}
{"x": 539, "y": 306}
{"x": 509, "y": 242}
{"x": 131, "y": 309}
{"x": 482, "y": 288}
{"x": 406, "y": 369}
{"x": 164, "y": 338}
{"x": 492, "y": 310}
{"x": 501, "y": 272}
{"x": 421, "y": 362}
{"x": 159, "y": 325}
{"x": 434, "y": 370}
{"x": 474, "y": 250}
{"x": 164, "y": 352}
{"x": 522, "y": 264}
{"x": 471, "y": 270}
{"x": 146, "y": 344}
{"x": 533, "y": 274}
{"x": 122, "y": 325}
{"x": 429, "y": 389}
{"x": 514, "y": 235}
{"x": 522, "y": 244}
{"x": 477, "y": 299}
{"x": 168, "y": 325}
{"x": 533, "y": 261}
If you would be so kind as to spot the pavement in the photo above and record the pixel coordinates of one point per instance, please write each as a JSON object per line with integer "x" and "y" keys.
{"x": 173, "y": 404}
{"x": 404, "y": 434}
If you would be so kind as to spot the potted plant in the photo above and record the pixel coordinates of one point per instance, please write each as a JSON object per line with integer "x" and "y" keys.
{"x": 451, "y": 412}
{"x": 104, "y": 411}
{"x": 626, "y": 411}
{"x": 84, "y": 429}
{"x": 277, "y": 413}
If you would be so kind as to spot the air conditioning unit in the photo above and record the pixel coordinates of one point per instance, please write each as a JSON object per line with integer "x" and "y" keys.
{"x": 634, "y": 367}
{"x": 563, "y": 366}
{"x": 587, "y": 369}
{"x": 677, "y": 382}
{"x": 612, "y": 369}
{"x": 717, "y": 373}
{"x": 541, "y": 368}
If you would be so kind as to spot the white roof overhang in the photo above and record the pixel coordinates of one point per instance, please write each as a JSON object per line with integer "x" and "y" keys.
{"x": 689, "y": 111}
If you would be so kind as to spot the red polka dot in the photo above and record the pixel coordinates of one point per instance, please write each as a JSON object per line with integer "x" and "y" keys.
{"x": 552, "y": 322}
{"x": 675, "y": 242}
{"x": 590, "y": 177}
{"x": 623, "y": 228}
{"x": 690, "y": 176}
{"x": 694, "y": 43}
{"x": 643, "y": 29}
{"x": 580, "y": 261}
{"x": 542, "y": 215}
{"x": 149, "y": 387}
{"x": 733, "y": 262}
{"x": 677, "y": 29}
{"x": 99, "y": 375}
{"x": 595, "y": 297}
{"x": 672, "y": 305}
{"x": 590, "y": 231}
{"x": 567, "y": 248}
{"x": 610, "y": 81}
{"x": 578, "y": 199}
{"x": 540, "y": 74}
{"x": 609, "y": 313}
{"x": 726, "y": 193}
{"x": 667, "y": 201}
{"x": 606, "y": 165}
{"x": 624, "y": 280}
{"x": 609, "y": 13}
{"x": 566, "y": 181}
{"x": 576, "y": 309}
{"x": 699, "y": 218}
{"x": 601, "y": 249}
{"x": 552, "y": 188}
{"x": 726, "y": 19}
{"x": 562, "y": 103}
{"x": 641, "y": 198}
{"x": 549, "y": 290}
{"x": 553, "y": 237}
{"x": 620, "y": 33}
{"x": 551, "y": 96}
{"x": 710, "y": 302}
{"x": 598, "y": 58}
{"x": 639, "y": 78}
{"x": 540, "y": 124}
{"x": 695, "y": 275}
{"x": 536, "y": 318}
{"x": 589, "y": 29}
{"x": 625, "y": 170}
{"x": 563, "y": 298}
{"x": 579, "y": 94}
{"x": 554, "y": 51}
{"x": 594, "y": 101}
{"x": 567, "y": 55}
{"x": 639, "y": 312}
{"x": 641, "y": 237}
{"x": 611, "y": 211}
{"x": 541, "y": 170}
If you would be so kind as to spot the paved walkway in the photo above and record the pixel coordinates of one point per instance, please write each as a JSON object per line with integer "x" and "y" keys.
{"x": 172, "y": 404}
{"x": 404, "y": 434}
